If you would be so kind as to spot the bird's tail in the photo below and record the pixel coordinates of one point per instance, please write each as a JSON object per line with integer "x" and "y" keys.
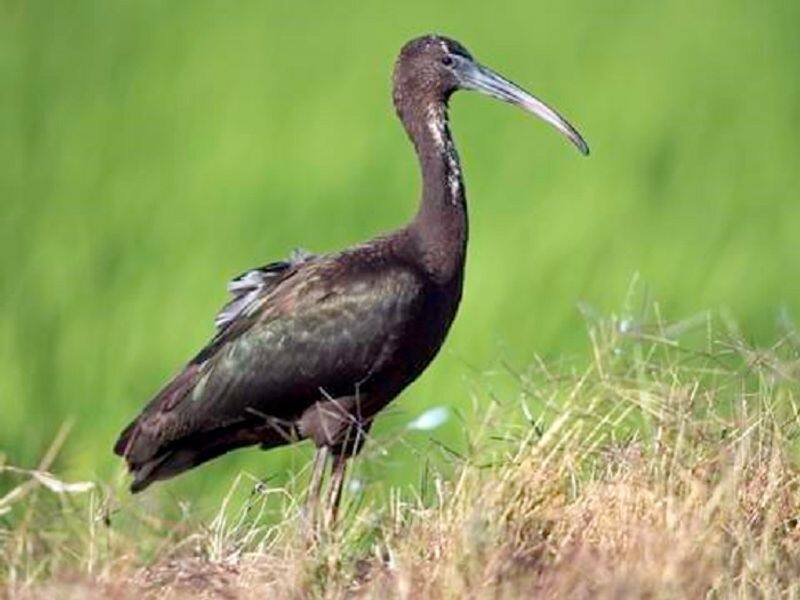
{"x": 164, "y": 466}
{"x": 184, "y": 453}
{"x": 148, "y": 444}
{"x": 160, "y": 466}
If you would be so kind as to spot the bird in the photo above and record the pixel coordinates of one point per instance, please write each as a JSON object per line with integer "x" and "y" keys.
{"x": 314, "y": 346}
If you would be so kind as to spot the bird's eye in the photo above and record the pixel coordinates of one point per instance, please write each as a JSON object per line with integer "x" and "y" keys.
{"x": 447, "y": 60}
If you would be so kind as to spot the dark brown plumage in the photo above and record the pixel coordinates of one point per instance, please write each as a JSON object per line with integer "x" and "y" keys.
{"x": 313, "y": 347}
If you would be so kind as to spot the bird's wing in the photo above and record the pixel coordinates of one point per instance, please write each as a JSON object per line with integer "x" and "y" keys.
{"x": 320, "y": 330}
{"x": 251, "y": 285}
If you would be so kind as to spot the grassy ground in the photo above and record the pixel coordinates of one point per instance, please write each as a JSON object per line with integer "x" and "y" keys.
{"x": 665, "y": 467}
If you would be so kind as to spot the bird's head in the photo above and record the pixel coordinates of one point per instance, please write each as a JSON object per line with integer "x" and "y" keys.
{"x": 432, "y": 67}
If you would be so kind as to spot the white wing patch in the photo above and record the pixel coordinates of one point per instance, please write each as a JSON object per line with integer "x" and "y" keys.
{"x": 251, "y": 285}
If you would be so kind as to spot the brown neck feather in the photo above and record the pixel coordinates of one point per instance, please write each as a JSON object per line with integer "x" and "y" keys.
{"x": 440, "y": 226}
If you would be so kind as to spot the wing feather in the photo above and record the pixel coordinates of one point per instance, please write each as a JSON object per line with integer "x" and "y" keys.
{"x": 253, "y": 284}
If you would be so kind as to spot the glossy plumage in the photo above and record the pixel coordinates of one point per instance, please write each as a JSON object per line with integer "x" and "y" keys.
{"x": 313, "y": 347}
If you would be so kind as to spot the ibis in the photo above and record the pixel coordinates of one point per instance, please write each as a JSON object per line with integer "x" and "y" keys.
{"x": 314, "y": 346}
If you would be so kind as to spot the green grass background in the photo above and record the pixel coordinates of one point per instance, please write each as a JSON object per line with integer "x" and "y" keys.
{"x": 151, "y": 150}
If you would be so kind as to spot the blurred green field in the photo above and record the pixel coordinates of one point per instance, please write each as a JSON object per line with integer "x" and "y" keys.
{"x": 149, "y": 151}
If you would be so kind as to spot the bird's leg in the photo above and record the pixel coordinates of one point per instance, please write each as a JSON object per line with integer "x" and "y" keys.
{"x": 315, "y": 486}
{"x": 335, "y": 491}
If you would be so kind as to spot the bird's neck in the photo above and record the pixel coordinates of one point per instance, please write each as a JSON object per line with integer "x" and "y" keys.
{"x": 440, "y": 226}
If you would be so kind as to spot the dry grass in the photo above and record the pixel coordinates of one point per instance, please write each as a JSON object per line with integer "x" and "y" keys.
{"x": 655, "y": 471}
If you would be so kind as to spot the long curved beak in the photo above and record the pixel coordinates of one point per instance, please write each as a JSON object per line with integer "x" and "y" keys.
{"x": 482, "y": 79}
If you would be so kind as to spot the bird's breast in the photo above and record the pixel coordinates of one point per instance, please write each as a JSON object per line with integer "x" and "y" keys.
{"x": 414, "y": 346}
